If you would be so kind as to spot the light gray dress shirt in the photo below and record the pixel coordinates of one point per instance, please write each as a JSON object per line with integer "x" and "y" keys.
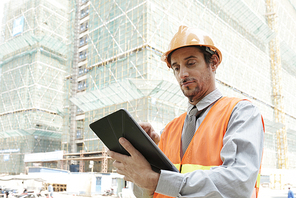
{"x": 241, "y": 155}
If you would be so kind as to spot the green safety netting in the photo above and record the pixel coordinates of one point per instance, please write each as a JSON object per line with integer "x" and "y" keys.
{"x": 287, "y": 54}
{"x": 128, "y": 90}
{"x": 13, "y": 133}
{"x": 47, "y": 134}
{"x": 272, "y": 126}
{"x": 245, "y": 15}
{"x": 115, "y": 93}
{"x": 28, "y": 39}
{"x": 21, "y": 133}
{"x": 169, "y": 92}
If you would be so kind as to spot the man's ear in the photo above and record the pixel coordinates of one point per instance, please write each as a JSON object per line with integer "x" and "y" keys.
{"x": 215, "y": 61}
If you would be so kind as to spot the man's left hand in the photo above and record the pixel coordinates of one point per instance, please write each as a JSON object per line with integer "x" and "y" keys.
{"x": 135, "y": 168}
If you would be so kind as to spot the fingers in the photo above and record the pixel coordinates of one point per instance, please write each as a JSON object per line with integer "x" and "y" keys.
{"x": 146, "y": 127}
{"x": 118, "y": 166}
{"x": 117, "y": 156}
{"x": 155, "y": 137}
{"x": 150, "y": 131}
{"x": 128, "y": 146}
{"x": 134, "y": 168}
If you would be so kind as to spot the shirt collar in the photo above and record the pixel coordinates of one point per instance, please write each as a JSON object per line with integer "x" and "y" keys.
{"x": 206, "y": 101}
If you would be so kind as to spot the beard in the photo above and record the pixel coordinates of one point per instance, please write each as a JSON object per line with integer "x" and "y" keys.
{"x": 190, "y": 94}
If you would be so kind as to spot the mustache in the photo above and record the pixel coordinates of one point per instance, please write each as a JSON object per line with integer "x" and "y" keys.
{"x": 186, "y": 80}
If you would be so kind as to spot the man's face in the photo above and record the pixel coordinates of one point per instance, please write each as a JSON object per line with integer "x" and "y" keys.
{"x": 196, "y": 78}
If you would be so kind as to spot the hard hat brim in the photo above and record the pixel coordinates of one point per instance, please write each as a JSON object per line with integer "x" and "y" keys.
{"x": 166, "y": 55}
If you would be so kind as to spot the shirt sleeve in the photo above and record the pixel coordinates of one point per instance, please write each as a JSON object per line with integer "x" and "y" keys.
{"x": 141, "y": 192}
{"x": 241, "y": 155}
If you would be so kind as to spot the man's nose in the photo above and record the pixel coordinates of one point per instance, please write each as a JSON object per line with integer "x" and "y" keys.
{"x": 183, "y": 72}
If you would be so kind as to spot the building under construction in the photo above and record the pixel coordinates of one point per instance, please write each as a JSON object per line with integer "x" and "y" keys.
{"x": 112, "y": 61}
{"x": 33, "y": 69}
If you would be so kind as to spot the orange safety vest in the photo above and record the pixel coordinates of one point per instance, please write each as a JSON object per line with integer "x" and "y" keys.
{"x": 212, "y": 129}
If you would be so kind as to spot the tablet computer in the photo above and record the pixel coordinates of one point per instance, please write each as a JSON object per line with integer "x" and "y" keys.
{"x": 121, "y": 124}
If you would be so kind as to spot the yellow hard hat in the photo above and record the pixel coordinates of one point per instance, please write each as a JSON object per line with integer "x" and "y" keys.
{"x": 188, "y": 36}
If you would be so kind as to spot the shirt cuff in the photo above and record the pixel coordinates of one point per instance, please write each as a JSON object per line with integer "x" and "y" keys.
{"x": 169, "y": 183}
{"x": 141, "y": 192}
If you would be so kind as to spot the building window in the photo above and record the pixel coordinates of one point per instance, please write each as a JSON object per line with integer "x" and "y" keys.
{"x": 82, "y": 85}
{"x": 81, "y": 41}
{"x": 82, "y": 55}
{"x": 79, "y": 111}
{"x": 78, "y": 134}
{"x": 84, "y": 1}
{"x": 82, "y": 70}
{"x": 82, "y": 13}
{"x": 84, "y": 26}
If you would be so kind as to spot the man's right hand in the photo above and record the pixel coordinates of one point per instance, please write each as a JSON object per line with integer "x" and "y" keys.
{"x": 150, "y": 131}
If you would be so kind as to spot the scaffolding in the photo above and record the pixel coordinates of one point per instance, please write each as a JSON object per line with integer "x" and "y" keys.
{"x": 33, "y": 68}
{"x": 122, "y": 69}
{"x": 277, "y": 84}
{"x": 107, "y": 56}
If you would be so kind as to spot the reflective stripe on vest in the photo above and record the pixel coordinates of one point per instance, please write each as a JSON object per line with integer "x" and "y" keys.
{"x": 258, "y": 180}
{"x": 187, "y": 168}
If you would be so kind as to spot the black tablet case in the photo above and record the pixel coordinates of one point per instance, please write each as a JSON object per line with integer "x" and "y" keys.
{"x": 120, "y": 124}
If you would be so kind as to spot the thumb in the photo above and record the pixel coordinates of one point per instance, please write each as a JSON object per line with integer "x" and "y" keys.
{"x": 128, "y": 146}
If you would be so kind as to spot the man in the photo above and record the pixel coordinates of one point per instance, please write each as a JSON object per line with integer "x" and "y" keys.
{"x": 218, "y": 157}
{"x": 290, "y": 193}
{"x": 50, "y": 190}
{"x": 6, "y": 193}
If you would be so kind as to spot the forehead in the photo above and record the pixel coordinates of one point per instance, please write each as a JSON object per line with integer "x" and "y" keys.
{"x": 185, "y": 52}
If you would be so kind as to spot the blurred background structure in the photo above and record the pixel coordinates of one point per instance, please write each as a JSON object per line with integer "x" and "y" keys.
{"x": 33, "y": 69}
{"x": 67, "y": 63}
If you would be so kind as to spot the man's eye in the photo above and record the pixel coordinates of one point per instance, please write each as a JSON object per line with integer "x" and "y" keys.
{"x": 191, "y": 62}
{"x": 176, "y": 69}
